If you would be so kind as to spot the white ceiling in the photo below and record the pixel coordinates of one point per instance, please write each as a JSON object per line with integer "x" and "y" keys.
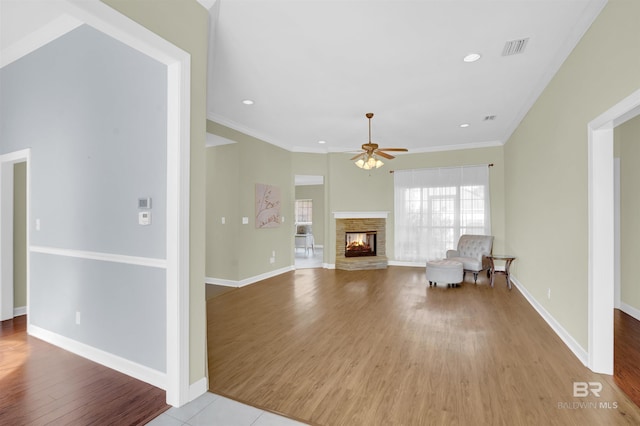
{"x": 315, "y": 67}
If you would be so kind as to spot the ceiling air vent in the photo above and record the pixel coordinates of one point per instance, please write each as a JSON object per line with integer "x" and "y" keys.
{"x": 514, "y": 47}
{"x": 490, "y": 118}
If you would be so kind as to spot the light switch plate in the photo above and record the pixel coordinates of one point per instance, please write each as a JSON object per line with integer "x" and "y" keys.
{"x": 245, "y": 220}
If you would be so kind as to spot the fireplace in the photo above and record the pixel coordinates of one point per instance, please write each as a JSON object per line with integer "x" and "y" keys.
{"x": 358, "y": 244}
{"x": 366, "y": 233}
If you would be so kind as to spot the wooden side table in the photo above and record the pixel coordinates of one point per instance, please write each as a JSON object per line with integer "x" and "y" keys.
{"x": 507, "y": 258}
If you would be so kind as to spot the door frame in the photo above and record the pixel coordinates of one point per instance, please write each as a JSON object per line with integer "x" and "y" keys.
{"x": 601, "y": 184}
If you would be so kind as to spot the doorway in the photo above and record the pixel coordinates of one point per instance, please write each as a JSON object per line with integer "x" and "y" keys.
{"x": 14, "y": 253}
{"x": 601, "y": 231}
{"x": 627, "y": 292}
{"x": 310, "y": 221}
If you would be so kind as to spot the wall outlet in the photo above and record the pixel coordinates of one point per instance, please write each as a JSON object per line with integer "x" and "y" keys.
{"x": 272, "y": 260}
{"x": 549, "y": 293}
{"x": 78, "y": 318}
{"x": 223, "y": 220}
{"x": 273, "y": 253}
{"x": 37, "y": 224}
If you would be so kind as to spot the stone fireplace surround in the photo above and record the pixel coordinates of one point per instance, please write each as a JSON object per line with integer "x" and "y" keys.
{"x": 361, "y": 222}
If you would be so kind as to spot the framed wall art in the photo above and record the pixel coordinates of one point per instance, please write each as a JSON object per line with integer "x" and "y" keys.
{"x": 268, "y": 201}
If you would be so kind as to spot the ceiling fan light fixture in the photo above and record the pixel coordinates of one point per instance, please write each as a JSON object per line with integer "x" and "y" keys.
{"x": 369, "y": 158}
{"x": 370, "y": 163}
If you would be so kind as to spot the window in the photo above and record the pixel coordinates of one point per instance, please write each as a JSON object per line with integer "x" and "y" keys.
{"x": 304, "y": 212}
{"x": 433, "y": 207}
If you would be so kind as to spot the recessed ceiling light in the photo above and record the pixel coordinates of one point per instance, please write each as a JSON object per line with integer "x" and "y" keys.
{"x": 464, "y": 125}
{"x": 472, "y": 57}
{"x": 247, "y": 102}
{"x": 322, "y": 141}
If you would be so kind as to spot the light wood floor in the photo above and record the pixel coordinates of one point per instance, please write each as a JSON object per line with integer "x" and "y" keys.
{"x": 41, "y": 384}
{"x": 380, "y": 347}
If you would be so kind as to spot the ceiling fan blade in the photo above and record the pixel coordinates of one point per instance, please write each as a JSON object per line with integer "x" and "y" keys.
{"x": 359, "y": 155}
{"x": 394, "y": 149}
{"x": 384, "y": 154}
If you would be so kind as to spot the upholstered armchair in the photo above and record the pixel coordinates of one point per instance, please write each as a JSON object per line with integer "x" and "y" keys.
{"x": 472, "y": 251}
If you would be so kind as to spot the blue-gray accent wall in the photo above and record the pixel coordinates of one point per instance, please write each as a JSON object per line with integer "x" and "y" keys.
{"x": 93, "y": 111}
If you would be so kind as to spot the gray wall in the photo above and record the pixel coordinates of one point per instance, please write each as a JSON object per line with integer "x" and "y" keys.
{"x": 94, "y": 113}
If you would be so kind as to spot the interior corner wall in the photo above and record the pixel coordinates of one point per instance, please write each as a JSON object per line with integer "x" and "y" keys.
{"x": 185, "y": 23}
{"x": 95, "y": 124}
{"x": 546, "y": 166}
{"x": 628, "y": 143}
{"x": 257, "y": 162}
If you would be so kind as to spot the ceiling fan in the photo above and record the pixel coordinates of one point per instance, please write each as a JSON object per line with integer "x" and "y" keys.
{"x": 368, "y": 159}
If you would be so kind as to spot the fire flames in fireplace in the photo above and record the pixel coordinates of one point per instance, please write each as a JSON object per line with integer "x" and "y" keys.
{"x": 360, "y": 244}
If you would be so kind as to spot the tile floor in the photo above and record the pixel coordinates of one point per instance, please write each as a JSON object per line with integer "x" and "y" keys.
{"x": 213, "y": 410}
{"x": 311, "y": 260}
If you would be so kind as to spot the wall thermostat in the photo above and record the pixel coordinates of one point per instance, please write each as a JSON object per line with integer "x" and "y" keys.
{"x": 144, "y": 203}
{"x": 144, "y": 218}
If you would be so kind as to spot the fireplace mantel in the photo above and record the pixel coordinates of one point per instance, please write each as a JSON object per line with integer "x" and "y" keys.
{"x": 361, "y": 215}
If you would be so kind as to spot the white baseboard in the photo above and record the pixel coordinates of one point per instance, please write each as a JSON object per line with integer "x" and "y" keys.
{"x": 19, "y": 311}
{"x": 568, "y": 340}
{"x": 404, "y": 263}
{"x": 630, "y": 310}
{"x": 221, "y": 281}
{"x": 198, "y": 388}
{"x": 122, "y": 365}
{"x": 250, "y": 280}
{"x": 424, "y": 264}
